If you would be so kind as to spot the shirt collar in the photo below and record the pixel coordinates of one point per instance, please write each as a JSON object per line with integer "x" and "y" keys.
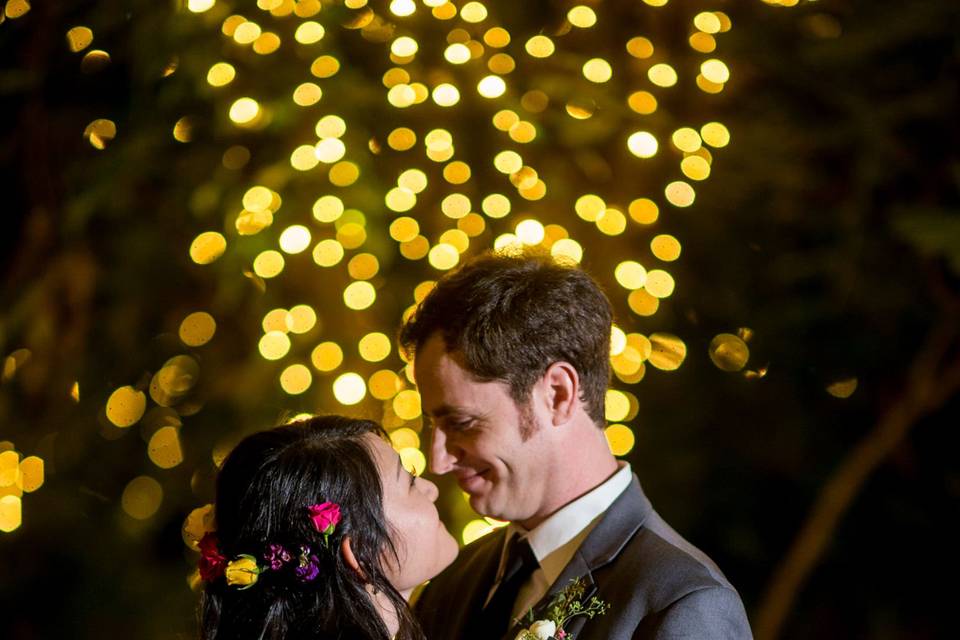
{"x": 556, "y": 539}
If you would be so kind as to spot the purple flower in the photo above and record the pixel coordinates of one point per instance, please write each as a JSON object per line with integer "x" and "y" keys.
{"x": 277, "y": 556}
{"x": 309, "y": 566}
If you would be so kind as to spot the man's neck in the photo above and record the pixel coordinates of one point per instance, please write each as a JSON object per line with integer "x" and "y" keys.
{"x": 592, "y": 467}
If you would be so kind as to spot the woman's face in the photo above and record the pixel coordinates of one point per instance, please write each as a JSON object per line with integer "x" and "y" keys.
{"x": 423, "y": 544}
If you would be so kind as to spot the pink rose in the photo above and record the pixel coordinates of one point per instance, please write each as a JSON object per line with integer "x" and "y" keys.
{"x": 325, "y": 516}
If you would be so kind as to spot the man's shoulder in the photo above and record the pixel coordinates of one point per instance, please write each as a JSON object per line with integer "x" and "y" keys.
{"x": 664, "y": 566}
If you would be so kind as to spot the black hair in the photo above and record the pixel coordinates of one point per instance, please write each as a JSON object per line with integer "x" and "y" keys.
{"x": 263, "y": 490}
{"x": 510, "y": 316}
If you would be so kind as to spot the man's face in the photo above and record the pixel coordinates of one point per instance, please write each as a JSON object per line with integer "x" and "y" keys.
{"x": 477, "y": 437}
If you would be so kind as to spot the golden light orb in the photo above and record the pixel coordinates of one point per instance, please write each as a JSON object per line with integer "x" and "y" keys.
{"x": 618, "y": 340}
{"x": 590, "y": 207}
{"x": 404, "y": 47}
{"x": 473, "y": 12}
{"x": 665, "y": 247}
{"x": 640, "y": 47}
{"x": 221, "y": 74}
{"x": 496, "y": 205}
{"x": 374, "y": 347}
{"x": 715, "y": 71}
{"x": 530, "y": 232}
{"x": 446, "y": 95}
{"x": 296, "y": 379}
{"x": 642, "y": 144}
{"x": 668, "y": 351}
{"x": 457, "y": 53}
{"x": 301, "y": 318}
{"x": 268, "y": 264}
{"x": 79, "y": 38}
{"x": 349, "y": 388}
{"x": 327, "y": 253}
{"x": 406, "y": 404}
{"x": 404, "y": 229}
{"x": 680, "y": 194}
{"x": 686, "y": 139}
{"x": 402, "y": 139}
{"x": 403, "y": 8}
{"x": 491, "y": 87}
{"x": 508, "y": 162}
{"x": 443, "y": 256}
{"x": 630, "y": 274}
{"x": 455, "y": 205}
{"x": 295, "y": 239}
{"x": 620, "y": 439}
{"x": 304, "y": 157}
{"x": 582, "y": 16}
{"x": 729, "y": 352}
{"x": 662, "y": 75}
{"x": 326, "y": 356}
{"x": 244, "y": 110}
{"x": 400, "y": 199}
{"x": 126, "y": 406}
{"x": 644, "y": 211}
{"x": 359, "y": 295}
{"x": 597, "y": 70}
{"x": 715, "y": 134}
{"x": 274, "y": 345}
{"x": 330, "y": 150}
{"x": 363, "y": 266}
{"x": 309, "y": 32}
{"x": 612, "y": 222}
{"x": 207, "y": 247}
{"x": 567, "y": 248}
{"x": 330, "y": 126}
{"x": 660, "y": 284}
{"x": 540, "y": 46}
{"x": 141, "y": 498}
{"x": 707, "y": 21}
{"x": 197, "y": 329}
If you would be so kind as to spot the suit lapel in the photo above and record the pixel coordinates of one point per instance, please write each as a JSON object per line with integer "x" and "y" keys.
{"x": 484, "y": 566}
{"x": 617, "y": 526}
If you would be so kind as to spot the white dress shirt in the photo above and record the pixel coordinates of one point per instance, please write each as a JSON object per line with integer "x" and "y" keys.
{"x": 556, "y": 539}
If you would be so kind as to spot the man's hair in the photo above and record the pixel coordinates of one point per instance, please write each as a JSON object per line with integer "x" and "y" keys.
{"x": 511, "y": 316}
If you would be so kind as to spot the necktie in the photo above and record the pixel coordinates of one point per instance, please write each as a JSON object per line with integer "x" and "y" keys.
{"x": 520, "y": 564}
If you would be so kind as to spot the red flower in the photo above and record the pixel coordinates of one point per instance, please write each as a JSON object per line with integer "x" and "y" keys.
{"x": 212, "y": 563}
{"x": 325, "y": 516}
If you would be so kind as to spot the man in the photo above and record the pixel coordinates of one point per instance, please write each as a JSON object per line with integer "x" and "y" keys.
{"x": 512, "y": 362}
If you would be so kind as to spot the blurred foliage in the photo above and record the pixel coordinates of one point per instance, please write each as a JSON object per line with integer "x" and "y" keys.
{"x": 829, "y": 228}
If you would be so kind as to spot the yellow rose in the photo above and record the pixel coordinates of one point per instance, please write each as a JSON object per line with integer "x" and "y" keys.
{"x": 243, "y": 572}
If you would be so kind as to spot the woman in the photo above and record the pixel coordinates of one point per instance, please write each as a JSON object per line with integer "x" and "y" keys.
{"x": 321, "y": 533}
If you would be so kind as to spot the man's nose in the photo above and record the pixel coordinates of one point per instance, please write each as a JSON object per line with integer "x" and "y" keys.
{"x": 441, "y": 460}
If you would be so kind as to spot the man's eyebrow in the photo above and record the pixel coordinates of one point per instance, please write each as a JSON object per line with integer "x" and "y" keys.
{"x": 443, "y": 411}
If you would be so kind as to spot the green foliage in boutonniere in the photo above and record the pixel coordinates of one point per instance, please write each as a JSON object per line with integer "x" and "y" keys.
{"x": 565, "y": 605}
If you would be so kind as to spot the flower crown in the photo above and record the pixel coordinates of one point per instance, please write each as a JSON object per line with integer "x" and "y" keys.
{"x": 244, "y": 570}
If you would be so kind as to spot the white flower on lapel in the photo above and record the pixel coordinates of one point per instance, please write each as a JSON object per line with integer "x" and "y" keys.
{"x": 543, "y": 629}
{"x": 565, "y": 605}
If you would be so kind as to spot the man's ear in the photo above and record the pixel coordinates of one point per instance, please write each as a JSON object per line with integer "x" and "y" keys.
{"x": 561, "y": 392}
{"x": 347, "y": 552}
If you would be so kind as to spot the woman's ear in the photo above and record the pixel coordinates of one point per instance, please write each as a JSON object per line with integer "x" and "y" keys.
{"x": 347, "y": 552}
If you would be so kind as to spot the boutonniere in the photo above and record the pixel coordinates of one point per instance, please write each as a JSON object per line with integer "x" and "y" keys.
{"x": 565, "y": 605}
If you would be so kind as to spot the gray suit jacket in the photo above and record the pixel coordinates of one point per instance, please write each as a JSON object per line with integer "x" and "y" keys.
{"x": 657, "y": 584}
